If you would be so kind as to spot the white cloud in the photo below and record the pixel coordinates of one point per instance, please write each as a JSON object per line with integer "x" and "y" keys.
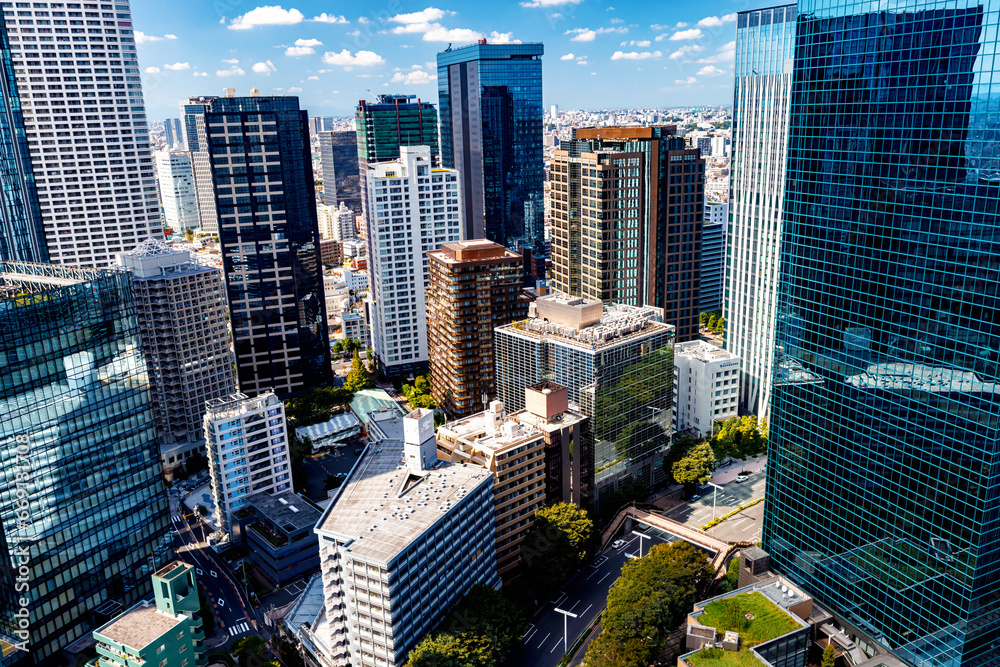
{"x": 549, "y": 3}
{"x": 725, "y": 54}
{"x": 568, "y": 56}
{"x": 178, "y": 66}
{"x": 587, "y": 35}
{"x": 264, "y": 68}
{"x": 359, "y": 59}
{"x": 676, "y": 26}
{"x": 633, "y": 55}
{"x": 354, "y": 33}
{"x": 314, "y": 78}
{"x": 582, "y": 62}
{"x": 296, "y": 51}
{"x": 686, "y": 82}
{"x": 711, "y": 70}
{"x": 295, "y": 89}
{"x": 201, "y": 73}
{"x": 142, "y": 38}
{"x": 416, "y": 77}
{"x": 423, "y": 16}
{"x": 715, "y": 21}
{"x": 642, "y": 43}
{"x": 235, "y": 70}
{"x": 152, "y": 70}
{"x": 693, "y": 33}
{"x": 412, "y": 28}
{"x": 617, "y": 21}
{"x": 232, "y": 61}
{"x": 268, "y": 15}
{"x": 329, "y": 18}
{"x": 686, "y": 49}
{"x": 439, "y": 33}
{"x": 502, "y": 38}
{"x": 308, "y": 42}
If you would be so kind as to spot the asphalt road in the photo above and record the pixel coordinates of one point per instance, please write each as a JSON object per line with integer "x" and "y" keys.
{"x": 731, "y": 495}
{"x": 743, "y": 527}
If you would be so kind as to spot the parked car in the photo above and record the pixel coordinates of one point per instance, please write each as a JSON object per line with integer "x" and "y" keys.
{"x": 618, "y": 544}
{"x": 742, "y": 477}
{"x": 696, "y": 497}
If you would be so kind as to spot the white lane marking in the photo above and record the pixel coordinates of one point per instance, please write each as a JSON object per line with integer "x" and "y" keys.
{"x": 221, "y": 602}
{"x": 558, "y": 642}
{"x": 531, "y": 630}
{"x": 739, "y": 521}
{"x": 544, "y": 640}
{"x": 562, "y": 596}
{"x": 212, "y": 572}
{"x": 584, "y": 612}
{"x": 604, "y": 577}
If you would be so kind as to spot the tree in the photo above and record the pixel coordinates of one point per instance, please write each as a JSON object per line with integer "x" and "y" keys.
{"x": 440, "y": 651}
{"x": 195, "y": 463}
{"x": 829, "y": 656}
{"x": 702, "y": 319}
{"x": 695, "y": 468}
{"x": 730, "y": 582}
{"x": 720, "y": 326}
{"x": 338, "y": 347}
{"x": 202, "y": 511}
{"x": 249, "y": 650}
{"x": 739, "y": 437}
{"x": 358, "y": 378}
{"x": 555, "y": 546}
{"x": 710, "y": 324}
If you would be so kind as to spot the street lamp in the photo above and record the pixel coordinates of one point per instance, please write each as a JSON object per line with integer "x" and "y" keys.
{"x": 566, "y": 615}
{"x": 641, "y": 538}
{"x": 715, "y": 496}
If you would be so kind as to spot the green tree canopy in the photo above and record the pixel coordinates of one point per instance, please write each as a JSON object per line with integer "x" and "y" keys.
{"x": 555, "y": 546}
{"x": 696, "y": 467}
{"x": 440, "y": 651}
{"x": 739, "y": 437}
{"x": 249, "y": 650}
{"x": 357, "y": 378}
{"x": 829, "y": 656}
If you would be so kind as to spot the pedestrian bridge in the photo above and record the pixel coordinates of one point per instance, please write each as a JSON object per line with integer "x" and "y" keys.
{"x": 630, "y": 516}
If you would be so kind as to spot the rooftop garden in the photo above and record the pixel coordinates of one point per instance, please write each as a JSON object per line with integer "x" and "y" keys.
{"x": 265, "y": 531}
{"x": 752, "y": 615}
{"x": 717, "y": 657}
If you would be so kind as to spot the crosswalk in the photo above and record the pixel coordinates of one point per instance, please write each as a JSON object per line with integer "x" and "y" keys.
{"x": 239, "y": 629}
{"x": 177, "y": 517}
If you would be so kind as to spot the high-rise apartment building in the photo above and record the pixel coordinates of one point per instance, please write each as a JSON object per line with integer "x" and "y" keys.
{"x": 765, "y": 41}
{"x": 618, "y": 366}
{"x": 270, "y": 242}
{"x": 177, "y": 190}
{"x": 80, "y": 477}
{"x": 196, "y": 144}
{"x": 185, "y": 338}
{"x": 413, "y": 208}
{"x": 338, "y": 152}
{"x": 627, "y": 220}
{"x": 97, "y": 75}
{"x": 403, "y": 530}
{"x": 336, "y": 223}
{"x": 22, "y": 236}
{"x": 713, "y": 256}
{"x": 248, "y": 451}
{"x": 883, "y": 478}
{"x": 490, "y": 97}
{"x": 474, "y": 287}
{"x": 706, "y": 387}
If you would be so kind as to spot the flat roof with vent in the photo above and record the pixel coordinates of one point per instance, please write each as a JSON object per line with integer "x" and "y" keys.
{"x": 285, "y": 510}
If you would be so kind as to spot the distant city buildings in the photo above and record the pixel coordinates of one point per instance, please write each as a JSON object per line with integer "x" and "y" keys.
{"x": 114, "y": 163}
{"x": 341, "y": 175}
{"x": 178, "y": 193}
{"x": 196, "y": 143}
{"x": 413, "y": 208}
{"x": 474, "y": 287}
{"x": 490, "y": 97}
{"x": 706, "y": 387}
{"x": 248, "y": 451}
{"x": 713, "y": 256}
{"x": 336, "y": 223}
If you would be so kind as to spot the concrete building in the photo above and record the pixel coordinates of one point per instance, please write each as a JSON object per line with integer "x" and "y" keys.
{"x": 177, "y": 190}
{"x": 331, "y": 253}
{"x": 247, "y": 450}
{"x": 474, "y": 287}
{"x": 413, "y": 209}
{"x": 336, "y": 223}
{"x": 514, "y": 452}
{"x": 196, "y": 143}
{"x": 166, "y": 631}
{"x": 617, "y": 365}
{"x": 185, "y": 339}
{"x": 355, "y": 326}
{"x": 114, "y": 163}
{"x": 713, "y": 256}
{"x": 706, "y": 387}
{"x": 277, "y": 531}
{"x": 356, "y": 281}
{"x": 404, "y": 530}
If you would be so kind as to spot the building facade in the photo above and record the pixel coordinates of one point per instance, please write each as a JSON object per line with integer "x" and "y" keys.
{"x": 627, "y": 220}
{"x": 764, "y": 45}
{"x": 413, "y": 208}
{"x": 713, "y": 256}
{"x": 76, "y": 418}
{"x": 474, "y": 287}
{"x": 706, "y": 387}
{"x": 883, "y": 486}
{"x": 490, "y": 96}
{"x": 270, "y": 242}
{"x": 196, "y": 144}
{"x": 178, "y": 193}
{"x": 277, "y": 531}
{"x": 618, "y": 367}
{"x": 338, "y": 152}
{"x": 248, "y": 450}
{"x": 115, "y": 164}
{"x": 336, "y": 223}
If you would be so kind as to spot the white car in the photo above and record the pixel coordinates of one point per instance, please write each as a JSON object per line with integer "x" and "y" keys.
{"x": 742, "y": 477}
{"x": 618, "y": 544}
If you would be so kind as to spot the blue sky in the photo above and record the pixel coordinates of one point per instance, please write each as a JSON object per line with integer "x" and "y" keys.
{"x": 598, "y": 53}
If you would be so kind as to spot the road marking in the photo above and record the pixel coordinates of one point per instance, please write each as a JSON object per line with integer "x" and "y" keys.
{"x": 604, "y": 577}
{"x": 222, "y": 602}
{"x": 562, "y": 596}
{"x": 584, "y": 612}
{"x": 531, "y": 630}
{"x": 544, "y": 640}
{"x": 599, "y": 561}
{"x": 198, "y": 571}
{"x": 212, "y": 572}
{"x": 558, "y": 642}
{"x": 239, "y": 629}
{"x": 739, "y": 521}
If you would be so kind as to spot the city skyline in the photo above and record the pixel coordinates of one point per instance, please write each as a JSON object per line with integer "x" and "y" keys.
{"x": 332, "y": 57}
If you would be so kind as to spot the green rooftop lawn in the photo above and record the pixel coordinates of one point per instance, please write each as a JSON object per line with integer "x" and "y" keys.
{"x": 729, "y": 614}
{"x": 716, "y": 657}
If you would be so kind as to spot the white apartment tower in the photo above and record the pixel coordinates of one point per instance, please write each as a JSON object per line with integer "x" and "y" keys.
{"x": 247, "y": 450}
{"x": 336, "y": 223}
{"x": 78, "y": 79}
{"x": 706, "y": 386}
{"x": 177, "y": 190}
{"x": 412, "y": 209}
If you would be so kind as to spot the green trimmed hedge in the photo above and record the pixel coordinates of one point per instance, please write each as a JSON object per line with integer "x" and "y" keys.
{"x": 716, "y": 522}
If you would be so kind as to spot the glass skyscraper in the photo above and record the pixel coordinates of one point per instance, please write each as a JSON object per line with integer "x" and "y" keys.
{"x": 490, "y": 98}
{"x": 338, "y": 153}
{"x": 83, "y": 508}
{"x": 884, "y": 462}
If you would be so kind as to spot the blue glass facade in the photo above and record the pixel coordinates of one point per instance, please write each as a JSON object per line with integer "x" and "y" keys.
{"x": 884, "y": 468}
{"x": 22, "y": 237}
{"x": 83, "y": 508}
{"x": 490, "y": 99}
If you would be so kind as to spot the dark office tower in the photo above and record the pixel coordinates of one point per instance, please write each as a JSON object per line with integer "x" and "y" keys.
{"x": 168, "y": 134}
{"x": 627, "y": 206}
{"x": 884, "y": 455}
{"x": 394, "y": 121}
{"x": 338, "y": 152}
{"x": 78, "y": 446}
{"x": 22, "y": 237}
{"x": 262, "y": 169}
{"x": 196, "y": 143}
{"x": 490, "y": 97}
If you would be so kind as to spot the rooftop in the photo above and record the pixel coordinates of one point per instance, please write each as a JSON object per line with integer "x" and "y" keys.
{"x": 308, "y": 607}
{"x": 383, "y": 506}
{"x": 140, "y": 626}
{"x": 337, "y": 424}
{"x": 618, "y": 323}
{"x": 285, "y": 510}
{"x": 368, "y": 401}
{"x": 236, "y": 405}
{"x": 489, "y": 432}
{"x": 703, "y": 351}
{"x": 476, "y": 250}
{"x": 755, "y": 616}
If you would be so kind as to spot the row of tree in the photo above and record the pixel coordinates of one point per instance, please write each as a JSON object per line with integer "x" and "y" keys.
{"x": 418, "y": 394}
{"x": 712, "y": 321}
{"x": 346, "y": 346}
{"x": 691, "y": 462}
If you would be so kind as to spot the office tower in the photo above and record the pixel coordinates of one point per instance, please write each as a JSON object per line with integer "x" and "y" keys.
{"x": 336, "y": 223}
{"x": 196, "y": 143}
{"x": 166, "y": 630}
{"x": 626, "y": 220}
{"x": 382, "y": 545}
{"x": 247, "y": 450}
{"x": 78, "y": 440}
{"x": 338, "y": 153}
{"x": 883, "y": 484}
{"x": 706, "y": 387}
{"x": 764, "y": 41}
{"x": 185, "y": 338}
{"x": 618, "y": 366}
{"x": 713, "y": 256}
{"x": 704, "y": 145}
{"x": 177, "y": 190}
{"x": 170, "y": 137}
{"x": 114, "y": 164}
{"x": 394, "y": 121}
{"x": 413, "y": 209}
{"x": 514, "y": 453}
{"x": 491, "y": 132}
{"x": 315, "y": 126}
{"x": 474, "y": 287}
{"x": 22, "y": 237}
{"x": 270, "y": 242}
{"x": 554, "y": 112}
